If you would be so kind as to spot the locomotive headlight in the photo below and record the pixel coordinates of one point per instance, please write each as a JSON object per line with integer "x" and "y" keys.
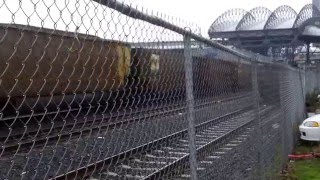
{"x": 311, "y": 124}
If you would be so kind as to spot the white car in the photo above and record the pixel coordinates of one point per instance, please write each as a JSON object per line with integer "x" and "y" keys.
{"x": 310, "y": 128}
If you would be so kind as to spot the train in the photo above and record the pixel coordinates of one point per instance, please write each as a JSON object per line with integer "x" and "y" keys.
{"x": 43, "y": 69}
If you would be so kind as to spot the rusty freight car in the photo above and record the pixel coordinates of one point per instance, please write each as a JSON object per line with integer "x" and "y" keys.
{"x": 38, "y": 63}
{"x": 43, "y": 69}
{"x": 160, "y": 72}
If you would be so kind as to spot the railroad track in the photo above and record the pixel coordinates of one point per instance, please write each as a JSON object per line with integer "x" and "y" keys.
{"x": 135, "y": 109}
{"x": 67, "y": 129}
{"x": 211, "y": 165}
{"x": 227, "y": 156}
{"x": 140, "y": 166}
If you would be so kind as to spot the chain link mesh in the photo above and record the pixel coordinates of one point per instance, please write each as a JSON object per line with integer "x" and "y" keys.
{"x": 99, "y": 90}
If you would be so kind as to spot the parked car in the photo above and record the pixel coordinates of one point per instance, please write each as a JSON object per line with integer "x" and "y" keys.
{"x": 310, "y": 128}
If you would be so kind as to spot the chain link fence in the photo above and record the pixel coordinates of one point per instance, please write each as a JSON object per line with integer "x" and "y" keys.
{"x": 97, "y": 89}
{"x": 311, "y": 80}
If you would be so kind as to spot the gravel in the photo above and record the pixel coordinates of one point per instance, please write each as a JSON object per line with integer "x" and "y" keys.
{"x": 63, "y": 157}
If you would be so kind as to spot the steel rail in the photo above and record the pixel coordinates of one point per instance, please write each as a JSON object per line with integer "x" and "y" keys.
{"x": 54, "y": 134}
{"x": 90, "y": 168}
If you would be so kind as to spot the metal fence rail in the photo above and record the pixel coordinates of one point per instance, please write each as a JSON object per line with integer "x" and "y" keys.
{"x": 97, "y": 89}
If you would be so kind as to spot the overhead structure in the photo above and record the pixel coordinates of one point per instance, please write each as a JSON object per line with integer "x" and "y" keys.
{"x": 254, "y": 19}
{"x": 261, "y": 29}
{"x": 316, "y": 3}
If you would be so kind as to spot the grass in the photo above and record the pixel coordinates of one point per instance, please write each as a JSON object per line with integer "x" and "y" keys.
{"x": 307, "y": 169}
{"x": 304, "y": 169}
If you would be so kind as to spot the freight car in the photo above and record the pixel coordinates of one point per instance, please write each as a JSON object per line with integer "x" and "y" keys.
{"x": 44, "y": 69}
{"x": 161, "y": 74}
{"x": 214, "y": 77}
{"x": 40, "y": 67}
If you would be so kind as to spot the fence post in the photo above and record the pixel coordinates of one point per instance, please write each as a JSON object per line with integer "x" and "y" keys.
{"x": 316, "y": 72}
{"x": 256, "y": 94}
{"x": 190, "y": 106}
{"x": 284, "y": 125}
{"x": 303, "y": 89}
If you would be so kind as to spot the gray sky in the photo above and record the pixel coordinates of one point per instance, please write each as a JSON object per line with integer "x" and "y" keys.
{"x": 98, "y": 20}
{"x": 204, "y": 12}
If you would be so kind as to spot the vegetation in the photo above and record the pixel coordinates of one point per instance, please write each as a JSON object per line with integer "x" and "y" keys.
{"x": 307, "y": 169}
{"x": 303, "y": 169}
{"x": 305, "y": 147}
{"x": 272, "y": 172}
{"x": 312, "y": 101}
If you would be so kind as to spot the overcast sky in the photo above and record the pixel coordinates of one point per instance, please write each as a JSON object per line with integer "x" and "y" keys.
{"x": 103, "y": 22}
{"x": 204, "y": 12}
